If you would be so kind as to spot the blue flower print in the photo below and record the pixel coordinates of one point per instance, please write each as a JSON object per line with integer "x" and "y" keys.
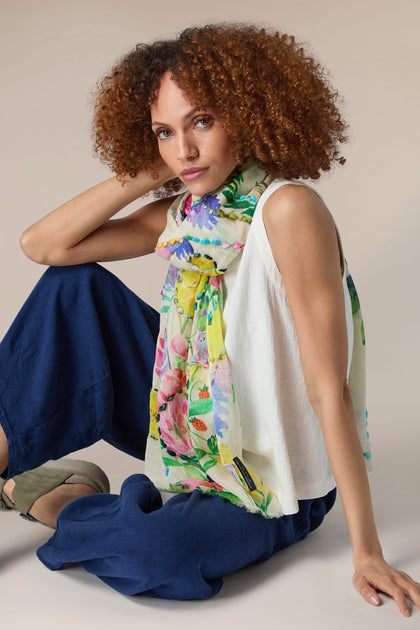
{"x": 219, "y": 408}
{"x": 181, "y": 250}
{"x": 202, "y": 213}
{"x": 211, "y": 201}
{"x": 184, "y": 249}
{"x": 219, "y": 424}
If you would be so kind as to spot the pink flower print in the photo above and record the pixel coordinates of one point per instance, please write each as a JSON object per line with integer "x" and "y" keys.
{"x": 187, "y": 205}
{"x": 165, "y": 252}
{"x": 214, "y": 281}
{"x": 159, "y": 355}
{"x": 173, "y": 426}
{"x": 179, "y": 345}
{"x": 171, "y": 381}
{"x": 192, "y": 484}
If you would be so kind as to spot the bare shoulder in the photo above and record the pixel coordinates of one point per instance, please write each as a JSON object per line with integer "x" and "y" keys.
{"x": 299, "y": 226}
{"x": 293, "y": 204}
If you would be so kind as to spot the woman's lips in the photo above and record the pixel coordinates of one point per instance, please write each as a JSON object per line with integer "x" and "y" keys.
{"x": 193, "y": 173}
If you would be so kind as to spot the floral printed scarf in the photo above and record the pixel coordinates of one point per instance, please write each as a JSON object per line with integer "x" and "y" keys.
{"x": 195, "y": 430}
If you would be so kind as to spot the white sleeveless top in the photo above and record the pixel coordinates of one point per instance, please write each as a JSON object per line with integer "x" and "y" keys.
{"x": 282, "y": 437}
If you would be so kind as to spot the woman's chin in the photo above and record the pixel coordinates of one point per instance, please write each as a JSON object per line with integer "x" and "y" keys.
{"x": 199, "y": 189}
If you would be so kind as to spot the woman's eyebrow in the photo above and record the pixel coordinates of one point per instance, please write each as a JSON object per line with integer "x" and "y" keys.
{"x": 187, "y": 115}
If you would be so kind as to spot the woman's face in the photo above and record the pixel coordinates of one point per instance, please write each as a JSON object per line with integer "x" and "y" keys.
{"x": 191, "y": 140}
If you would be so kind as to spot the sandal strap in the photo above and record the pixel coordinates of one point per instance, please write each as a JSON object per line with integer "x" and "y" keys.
{"x": 35, "y": 483}
{"x": 5, "y": 502}
{"x": 85, "y": 472}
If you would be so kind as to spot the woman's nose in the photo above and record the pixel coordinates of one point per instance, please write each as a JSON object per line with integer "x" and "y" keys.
{"x": 187, "y": 148}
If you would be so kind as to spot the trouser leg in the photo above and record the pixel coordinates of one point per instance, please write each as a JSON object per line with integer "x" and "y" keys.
{"x": 76, "y": 366}
{"x": 179, "y": 551}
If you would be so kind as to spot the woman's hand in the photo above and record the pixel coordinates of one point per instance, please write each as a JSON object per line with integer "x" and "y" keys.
{"x": 373, "y": 572}
{"x": 161, "y": 175}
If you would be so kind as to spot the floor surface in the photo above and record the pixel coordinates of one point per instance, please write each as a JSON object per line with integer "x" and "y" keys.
{"x": 308, "y": 586}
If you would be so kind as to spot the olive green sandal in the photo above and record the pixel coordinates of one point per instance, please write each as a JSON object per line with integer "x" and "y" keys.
{"x": 34, "y": 483}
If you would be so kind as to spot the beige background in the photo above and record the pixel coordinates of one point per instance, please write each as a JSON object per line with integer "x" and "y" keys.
{"x": 52, "y": 53}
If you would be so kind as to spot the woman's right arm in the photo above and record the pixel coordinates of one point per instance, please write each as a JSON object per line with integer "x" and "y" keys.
{"x": 81, "y": 231}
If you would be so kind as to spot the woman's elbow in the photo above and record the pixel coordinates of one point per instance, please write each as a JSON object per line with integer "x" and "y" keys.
{"x": 332, "y": 394}
{"x": 33, "y": 249}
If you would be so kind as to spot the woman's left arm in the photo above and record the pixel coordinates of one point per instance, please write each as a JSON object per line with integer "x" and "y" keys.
{"x": 304, "y": 243}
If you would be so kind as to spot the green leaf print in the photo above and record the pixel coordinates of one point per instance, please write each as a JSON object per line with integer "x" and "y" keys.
{"x": 209, "y": 464}
{"x": 249, "y": 212}
{"x": 245, "y": 206}
{"x": 355, "y": 304}
{"x": 230, "y": 197}
{"x": 267, "y": 501}
{"x": 212, "y": 444}
{"x": 200, "y": 407}
{"x": 190, "y": 470}
{"x": 200, "y": 453}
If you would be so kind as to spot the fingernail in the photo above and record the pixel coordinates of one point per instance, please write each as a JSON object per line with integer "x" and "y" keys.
{"x": 374, "y": 599}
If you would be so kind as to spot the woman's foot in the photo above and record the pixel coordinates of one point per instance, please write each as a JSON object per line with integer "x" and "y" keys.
{"x": 48, "y": 506}
{"x": 4, "y": 451}
{"x": 42, "y": 493}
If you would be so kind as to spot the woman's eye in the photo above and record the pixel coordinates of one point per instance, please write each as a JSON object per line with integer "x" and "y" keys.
{"x": 204, "y": 121}
{"x": 162, "y": 134}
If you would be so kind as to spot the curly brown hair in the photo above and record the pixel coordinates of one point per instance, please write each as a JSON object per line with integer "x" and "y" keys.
{"x": 275, "y": 100}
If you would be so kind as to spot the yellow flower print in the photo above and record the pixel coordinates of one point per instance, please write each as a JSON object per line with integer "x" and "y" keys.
{"x": 186, "y": 290}
{"x": 153, "y": 427}
{"x": 206, "y": 265}
{"x": 225, "y": 454}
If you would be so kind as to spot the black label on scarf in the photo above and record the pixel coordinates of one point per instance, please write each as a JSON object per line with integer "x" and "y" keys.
{"x": 245, "y": 474}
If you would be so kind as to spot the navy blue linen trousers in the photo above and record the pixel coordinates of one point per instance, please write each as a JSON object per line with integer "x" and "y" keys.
{"x": 76, "y": 366}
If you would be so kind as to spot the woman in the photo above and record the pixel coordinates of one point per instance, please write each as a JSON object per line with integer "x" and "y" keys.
{"x": 244, "y": 457}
